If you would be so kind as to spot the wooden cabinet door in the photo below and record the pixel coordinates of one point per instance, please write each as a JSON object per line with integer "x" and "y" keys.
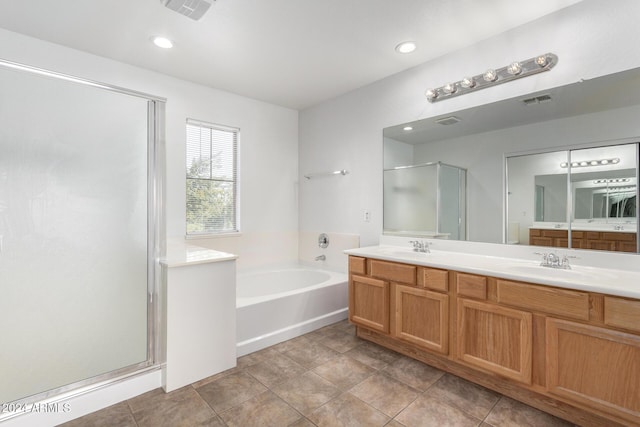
{"x": 421, "y": 317}
{"x": 594, "y": 366}
{"x": 369, "y": 303}
{"x": 495, "y": 339}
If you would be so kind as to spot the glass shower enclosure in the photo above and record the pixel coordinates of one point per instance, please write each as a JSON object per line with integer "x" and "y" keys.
{"x": 426, "y": 200}
{"x": 78, "y": 232}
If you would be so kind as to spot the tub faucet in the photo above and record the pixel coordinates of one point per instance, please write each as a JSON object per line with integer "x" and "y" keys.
{"x": 321, "y": 258}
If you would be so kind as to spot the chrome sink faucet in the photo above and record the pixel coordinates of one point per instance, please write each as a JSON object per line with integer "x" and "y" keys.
{"x": 420, "y": 246}
{"x": 553, "y": 260}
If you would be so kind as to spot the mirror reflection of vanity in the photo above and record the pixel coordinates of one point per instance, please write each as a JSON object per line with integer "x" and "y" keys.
{"x": 556, "y": 168}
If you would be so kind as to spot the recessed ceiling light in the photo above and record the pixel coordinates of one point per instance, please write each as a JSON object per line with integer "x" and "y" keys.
{"x": 407, "y": 128}
{"x": 406, "y": 47}
{"x": 162, "y": 42}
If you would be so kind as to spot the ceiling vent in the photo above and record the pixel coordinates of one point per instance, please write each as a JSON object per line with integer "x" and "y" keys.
{"x": 448, "y": 120}
{"x": 537, "y": 99}
{"x": 193, "y": 9}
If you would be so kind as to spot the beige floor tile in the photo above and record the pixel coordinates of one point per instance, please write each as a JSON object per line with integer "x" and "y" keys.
{"x": 431, "y": 412}
{"x": 311, "y": 354}
{"x": 467, "y": 396}
{"x": 275, "y": 369}
{"x": 344, "y": 372}
{"x": 341, "y": 341}
{"x": 394, "y": 423}
{"x": 183, "y": 407}
{"x": 263, "y": 410}
{"x": 306, "y": 392}
{"x": 321, "y": 333}
{"x": 347, "y": 410}
{"x": 292, "y": 344}
{"x": 256, "y": 357}
{"x": 215, "y": 377}
{"x": 414, "y": 373}
{"x": 115, "y": 415}
{"x": 230, "y": 391}
{"x": 384, "y": 393}
{"x": 372, "y": 355}
{"x": 511, "y": 413}
{"x": 302, "y": 422}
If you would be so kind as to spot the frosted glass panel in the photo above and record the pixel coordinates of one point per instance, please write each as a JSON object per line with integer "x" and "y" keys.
{"x": 410, "y": 199}
{"x": 452, "y": 202}
{"x": 73, "y": 233}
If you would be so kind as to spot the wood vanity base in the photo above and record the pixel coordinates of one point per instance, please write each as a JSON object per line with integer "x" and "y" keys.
{"x": 569, "y": 352}
{"x": 492, "y": 382}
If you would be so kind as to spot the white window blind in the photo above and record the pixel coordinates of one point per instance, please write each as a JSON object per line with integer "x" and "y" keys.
{"x": 212, "y": 190}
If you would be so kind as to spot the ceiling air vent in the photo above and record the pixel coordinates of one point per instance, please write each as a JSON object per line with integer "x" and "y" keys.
{"x": 537, "y": 99}
{"x": 448, "y": 120}
{"x": 193, "y": 9}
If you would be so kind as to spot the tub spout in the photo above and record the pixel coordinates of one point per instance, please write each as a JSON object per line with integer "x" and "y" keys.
{"x": 321, "y": 258}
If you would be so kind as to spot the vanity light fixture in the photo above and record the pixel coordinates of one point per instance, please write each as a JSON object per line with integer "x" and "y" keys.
{"x": 584, "y": 163}
{"x": 611, "y": 180}
{"x": 492, "y": 77}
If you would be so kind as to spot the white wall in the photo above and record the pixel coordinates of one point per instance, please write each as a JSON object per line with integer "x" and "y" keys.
{"x": 591, "y": 39}
{"x": 268, "y": 144}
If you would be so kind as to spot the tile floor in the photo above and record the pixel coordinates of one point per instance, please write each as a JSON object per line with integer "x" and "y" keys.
{"x": 328, "y": 377}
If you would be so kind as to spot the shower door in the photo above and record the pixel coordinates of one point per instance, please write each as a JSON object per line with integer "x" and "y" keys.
{"x": 75, "y": 233}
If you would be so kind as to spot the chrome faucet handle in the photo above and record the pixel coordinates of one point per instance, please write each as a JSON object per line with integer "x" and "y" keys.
{"x": 545, "y": 258}
{"x": 426, "y": 247}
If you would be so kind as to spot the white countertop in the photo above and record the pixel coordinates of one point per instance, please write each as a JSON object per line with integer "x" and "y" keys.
{"x": 583, "y": 226}
{"x": 180, "y": 254}
{"x": 620, "y": 282}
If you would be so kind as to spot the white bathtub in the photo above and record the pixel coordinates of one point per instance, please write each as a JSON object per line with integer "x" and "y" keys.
{"x": 279, "y": 304}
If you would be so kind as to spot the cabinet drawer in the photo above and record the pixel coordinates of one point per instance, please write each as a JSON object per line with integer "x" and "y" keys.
{"x": 357, "y": 265}
{"x": 433, "y": 278}
{"x": 472, "y": 286}
{"x": 554, "y": 233}
{"x": 619, "y": 237}
{"x": 622, "y": 313}
{"x": 545, "y": 299}
{"x": 392, "y": 271}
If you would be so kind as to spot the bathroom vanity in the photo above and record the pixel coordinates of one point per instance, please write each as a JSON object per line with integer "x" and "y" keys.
{"x": 604, "y": 240}
{"x": 564, "y": 341}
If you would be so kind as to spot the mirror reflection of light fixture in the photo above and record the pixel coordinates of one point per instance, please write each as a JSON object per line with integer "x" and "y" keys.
{"x": 584, "y": 163}
{"x": 491, "y": 77}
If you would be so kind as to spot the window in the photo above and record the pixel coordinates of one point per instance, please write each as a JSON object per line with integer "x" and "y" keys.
{"x": 212, "y": 186}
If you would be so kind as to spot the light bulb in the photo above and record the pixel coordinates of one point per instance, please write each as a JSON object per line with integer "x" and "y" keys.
{"x": 431, "y": 94}
{"x": 604, "y": 162}
{"x": 616, "y": 160}
{"x": 468, "y": 82}
{"x": 542, "y": 60}
{"x": 490, "y": 75}
{"x": 593, "y": 162}
{"x": 514, "y": 68}
{"x": 583, "y": 163}
{"x": 574, "y": 164}
{"x": 563, "y": 164}
{"x": 407, "y": 128}
{"x": 449, "y": 88}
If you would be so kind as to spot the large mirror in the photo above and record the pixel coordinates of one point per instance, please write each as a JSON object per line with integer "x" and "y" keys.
{"x": 518, "y": 154}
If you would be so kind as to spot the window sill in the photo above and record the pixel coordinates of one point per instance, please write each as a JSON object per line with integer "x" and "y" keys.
{"x": 212, "y": 235}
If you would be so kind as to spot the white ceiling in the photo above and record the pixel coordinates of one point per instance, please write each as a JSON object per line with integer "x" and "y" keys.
{"x": 294, "y": 53}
